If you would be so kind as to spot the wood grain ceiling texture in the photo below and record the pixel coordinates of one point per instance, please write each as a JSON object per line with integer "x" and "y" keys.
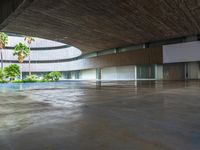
{"x": 102, "y": 24}
{"x": 7, "y": 7}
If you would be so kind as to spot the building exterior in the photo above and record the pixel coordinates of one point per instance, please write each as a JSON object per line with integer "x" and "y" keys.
{"x": 176, "y": 59}
{"x": 118, "y": 40}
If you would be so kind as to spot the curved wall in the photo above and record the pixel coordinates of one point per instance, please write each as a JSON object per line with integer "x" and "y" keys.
{"x": 46, "y": 55}
{"x": 39, "y": 42}
{"x": 141, "y": 56}
{"x": 42, "y": 50}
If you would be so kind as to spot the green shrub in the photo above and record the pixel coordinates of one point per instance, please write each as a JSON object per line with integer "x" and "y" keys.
{"x": 3, "y": 81}
{"x": 12, "y": 71}
{"x": 17, "y": 81}
{"x": 31, "y": 78}
{"x": 53, "y": 76}
{"x": 2, "y": 74}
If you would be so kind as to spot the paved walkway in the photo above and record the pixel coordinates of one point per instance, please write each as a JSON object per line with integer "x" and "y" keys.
{"x": 145, "y": 115}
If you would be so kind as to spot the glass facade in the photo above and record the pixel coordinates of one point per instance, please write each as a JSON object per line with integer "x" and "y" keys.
{"x": 146, "y": 71}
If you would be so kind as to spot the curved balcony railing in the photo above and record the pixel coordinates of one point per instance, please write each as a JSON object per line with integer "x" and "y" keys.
{"x": 45, "y": 55}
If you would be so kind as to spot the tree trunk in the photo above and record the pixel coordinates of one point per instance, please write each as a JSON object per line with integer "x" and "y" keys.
{"x": 29, "y": 61}
{"x": 20, "y": 71}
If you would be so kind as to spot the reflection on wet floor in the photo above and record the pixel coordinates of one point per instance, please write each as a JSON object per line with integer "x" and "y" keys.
{"x": 142, "y": 115}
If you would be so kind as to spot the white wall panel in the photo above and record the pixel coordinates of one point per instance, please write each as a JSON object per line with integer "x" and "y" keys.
{"x": 193, "y": 70}
{"x": 159, "y": 72}
{"x": 118, "y": 73}
{"x": 125, "y": 73}
{"x": 109, "y": 73}
{"x": 88, "y": 74}
{"x": 184, "y": 52}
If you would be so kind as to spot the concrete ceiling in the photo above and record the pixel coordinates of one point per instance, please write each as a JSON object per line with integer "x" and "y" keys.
{"x": 102, "y": 24}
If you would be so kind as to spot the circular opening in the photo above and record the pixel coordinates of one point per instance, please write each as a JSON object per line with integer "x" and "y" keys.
{"x": 42, "y": 49}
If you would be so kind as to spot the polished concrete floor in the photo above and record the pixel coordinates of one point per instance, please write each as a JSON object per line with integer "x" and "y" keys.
{"x": 145, "y": 115}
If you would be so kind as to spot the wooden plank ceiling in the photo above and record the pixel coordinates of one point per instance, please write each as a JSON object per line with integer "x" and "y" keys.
{"x": 102, "y": 24}
{"x": 7, "y": 7}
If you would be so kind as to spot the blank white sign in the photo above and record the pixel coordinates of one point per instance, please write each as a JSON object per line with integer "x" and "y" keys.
{"x": 184, "y": 52}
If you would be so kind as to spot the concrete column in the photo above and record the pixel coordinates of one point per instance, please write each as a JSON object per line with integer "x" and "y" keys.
{"x": 98, "y": 73}
{"x": 143, "y": 45}
{"x": 159, "y": 72}
{"x": 156, "y": 72}
{"x": 199, "y": 71}
{"x": 135, "y": 72}
{"x": 186, "y": 71}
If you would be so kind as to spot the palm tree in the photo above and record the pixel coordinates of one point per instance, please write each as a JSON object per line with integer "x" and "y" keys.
{"x": 22, "y": 51}
{"x": 3, "y": 43}
{"x": 29, "y": 41}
